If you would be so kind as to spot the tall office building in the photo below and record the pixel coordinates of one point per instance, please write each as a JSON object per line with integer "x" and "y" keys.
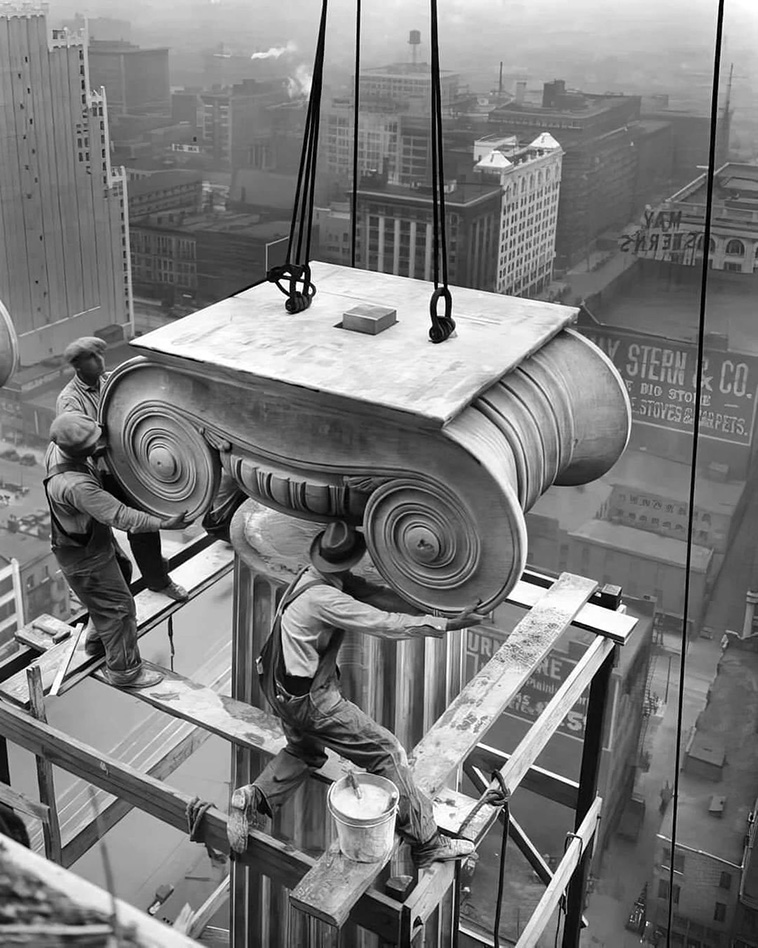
{"x": 530, "y": 179}
{"x": 64, "y": 255}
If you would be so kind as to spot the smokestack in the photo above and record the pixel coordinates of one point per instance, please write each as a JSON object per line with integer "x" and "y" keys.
{"x": 520, "y": 91}
{"x": 500, "y": 80}
{"x": 414, "y": 41}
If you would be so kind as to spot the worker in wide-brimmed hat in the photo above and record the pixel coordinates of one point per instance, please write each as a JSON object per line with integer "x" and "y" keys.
{"x": 82, "y": 394}
{"x": 82, "y": 515}
{"x": 299, "y": 676}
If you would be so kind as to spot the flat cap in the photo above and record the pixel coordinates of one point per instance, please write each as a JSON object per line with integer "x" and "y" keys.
{"x": 84, "y": 346}
{"x": 74, "y": 432}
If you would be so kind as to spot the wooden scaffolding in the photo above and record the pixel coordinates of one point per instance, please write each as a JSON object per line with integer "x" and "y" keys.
{"x": 281, "y": 893}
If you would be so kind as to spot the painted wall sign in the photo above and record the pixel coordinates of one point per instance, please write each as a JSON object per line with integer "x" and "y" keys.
{"x": 532, "y": 699}
{"x": 661, "y": 376}
{"x": 660, "y": 235}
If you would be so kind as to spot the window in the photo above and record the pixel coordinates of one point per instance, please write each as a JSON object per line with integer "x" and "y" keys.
{"x": 725, "y": 882}
{"x": 736, "y": 247}
{"x": 678, "y": 860}
{"x": 719, "y": 912}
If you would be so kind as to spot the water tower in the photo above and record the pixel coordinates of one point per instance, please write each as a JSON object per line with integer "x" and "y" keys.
{"x": 414, "y": 41}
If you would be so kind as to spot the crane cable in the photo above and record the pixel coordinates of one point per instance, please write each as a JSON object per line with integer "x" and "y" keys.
{"x": 356, "y": 117}
{"x": 293, "y": 277}
{"x": 442, "y": 326}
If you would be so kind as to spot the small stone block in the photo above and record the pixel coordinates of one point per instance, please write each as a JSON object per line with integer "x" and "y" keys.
{"x": 368, "y": 318}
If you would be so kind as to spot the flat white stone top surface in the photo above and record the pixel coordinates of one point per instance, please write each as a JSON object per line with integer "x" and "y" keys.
{"x": 252, "y": 335}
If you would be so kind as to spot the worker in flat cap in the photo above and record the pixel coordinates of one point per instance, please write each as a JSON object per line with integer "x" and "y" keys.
{"x": 82, "y": 515}
{"x": 300, "y": 679}
{"x": 82, "y": 394}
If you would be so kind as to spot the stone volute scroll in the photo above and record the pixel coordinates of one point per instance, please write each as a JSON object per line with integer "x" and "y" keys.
{"x": 8, "y": 346}
{"x": 436, "y": 451}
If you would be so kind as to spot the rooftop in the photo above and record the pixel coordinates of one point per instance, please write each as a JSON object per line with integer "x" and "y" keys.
{"x": 728, "y": 726}
{"x": 735, "y": 185}
{"x": 647, "y": 473}
{"x": 615, "y": 536}
{"x": 574, "y": 507}
{"x": 656, "y": 304}
{"x": 162, "y": 180}
{"x": 464, "y": 192}
{"x": 421, "y": 70}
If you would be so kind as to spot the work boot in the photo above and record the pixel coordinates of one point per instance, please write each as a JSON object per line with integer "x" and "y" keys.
{"x": 441, "y": 849}
{"x": 174, "y": 591}
{"x": 146, "y": 678}
{"x": 244, "y": 814}
{"x": 94, "y": 648}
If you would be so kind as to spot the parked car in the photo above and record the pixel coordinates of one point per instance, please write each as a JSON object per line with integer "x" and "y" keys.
{"x": 10, "y": 454}
{"x": 29, "y": 459}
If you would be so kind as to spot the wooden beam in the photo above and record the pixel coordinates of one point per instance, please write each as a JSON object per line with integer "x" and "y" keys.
{"x": 471, "y": 714}
{"x": 617, "y": 626}
{"x": 22, "y": 804}
{"x": 330, "y": 890}
{"x": 577, "y": 844}
{"x": 16, "y": 859}
{"x": 266, "y": 855}
{"x": 201, "y": 918}
{"x": 543, "y": 782}
{"x": 196, "y": 575}
{"x": 538, "y": 735}
{"x": 21, "y": 658}
{"x": 51, "y": 829}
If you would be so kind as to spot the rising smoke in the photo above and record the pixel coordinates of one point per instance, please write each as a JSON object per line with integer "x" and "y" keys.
{"x": 300, "y": 84}
{"x": 276, "y": 51}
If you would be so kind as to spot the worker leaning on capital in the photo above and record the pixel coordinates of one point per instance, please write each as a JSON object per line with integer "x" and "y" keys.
{"x": 82, "y": 515}
{"x": 83, "y": 393}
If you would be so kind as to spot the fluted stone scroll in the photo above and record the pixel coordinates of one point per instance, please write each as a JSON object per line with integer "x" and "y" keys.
{"x": 8, "y": 346}
{"x": 435, "y": 451}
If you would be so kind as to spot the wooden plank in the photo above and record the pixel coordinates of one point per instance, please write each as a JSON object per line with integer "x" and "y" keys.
{"x": 538, "y": 735}
{"x": 470, "y": 715}
{"x": 199, "y": 921}
{"x": 617, "y": 626}
{"x": 543, "y": 782}
{"x": 158, "y": 756}
{"x": 330, "y": 890}
{"x": 236, "y": 721}
{"x": 269, "y": 856}
{"x": 196, "y": 575}
{"x": 23, "y": 804}
{"x": 150, "y": 933}
{"x": 51, "y": 830}
{"x": 565, "y": 869}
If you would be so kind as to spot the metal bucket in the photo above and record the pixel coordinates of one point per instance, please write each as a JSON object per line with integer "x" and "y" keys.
{"x": 365, "y": 824}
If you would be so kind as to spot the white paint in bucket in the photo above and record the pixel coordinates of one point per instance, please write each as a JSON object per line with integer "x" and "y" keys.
{"x": 365, "y": 825}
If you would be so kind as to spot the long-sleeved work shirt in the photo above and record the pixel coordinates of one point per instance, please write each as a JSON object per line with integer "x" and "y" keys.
{"x": 310, "y": 621}
{"x": 79, "y": 396}
{"x": 76, "y": 498}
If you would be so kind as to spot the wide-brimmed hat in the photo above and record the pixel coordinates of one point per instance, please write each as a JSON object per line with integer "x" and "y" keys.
{"x": 338, "y": 548}
{"x": 75, "y": 433}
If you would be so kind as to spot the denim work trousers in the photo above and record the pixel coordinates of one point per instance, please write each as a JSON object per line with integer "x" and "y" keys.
{"x": 146, "y": 547}
{"x": 324, "y": 718}
{"x": 103, "y": 591}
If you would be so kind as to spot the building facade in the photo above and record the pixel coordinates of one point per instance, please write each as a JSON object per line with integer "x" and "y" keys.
{"x": 714, "y": 871}
{"x": 11, "y": 602}
{"x": 395, "y": 232}
{"x": 71, "y": 276}
{"x": 674, "y": 230}
{"x": 530, "y": 179}
{"x": 135, "y": 79}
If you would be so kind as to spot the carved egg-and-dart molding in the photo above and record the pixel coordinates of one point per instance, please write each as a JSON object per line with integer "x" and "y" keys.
{"x": 436, "y": 451}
